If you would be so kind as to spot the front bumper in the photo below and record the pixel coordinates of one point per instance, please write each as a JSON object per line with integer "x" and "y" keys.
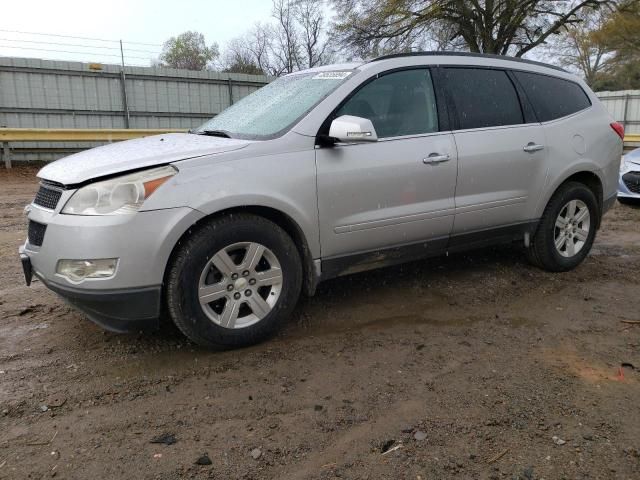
{"x": 128, "y": 310}
{"x": 130, "y": 300}
{"x": 629, "y": 184}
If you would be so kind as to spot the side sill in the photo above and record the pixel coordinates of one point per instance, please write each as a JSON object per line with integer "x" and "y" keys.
{"x": 369, "y": 260}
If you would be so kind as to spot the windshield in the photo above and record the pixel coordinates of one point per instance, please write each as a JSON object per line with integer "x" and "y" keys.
{"x": 275, "y": 107}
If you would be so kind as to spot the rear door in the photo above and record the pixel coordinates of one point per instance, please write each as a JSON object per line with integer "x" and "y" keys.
{"x": 501, "y": 157}
{"x": 396, "y": 191}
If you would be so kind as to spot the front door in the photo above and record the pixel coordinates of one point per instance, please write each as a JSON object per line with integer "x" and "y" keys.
{"x": 399, "y": 190}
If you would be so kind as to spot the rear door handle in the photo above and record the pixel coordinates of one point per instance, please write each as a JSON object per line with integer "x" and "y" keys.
{"x": 533, "y": 147}
{"x": 435, "y": 158}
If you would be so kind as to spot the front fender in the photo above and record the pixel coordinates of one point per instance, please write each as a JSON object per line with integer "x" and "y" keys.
{"x": 284, "y": 182}
{"x": 274, "y": 202}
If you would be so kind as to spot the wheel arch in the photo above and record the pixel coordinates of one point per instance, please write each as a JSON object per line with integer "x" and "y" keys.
{"x": 284, "y": 221}
{"x": 591, "y": 179}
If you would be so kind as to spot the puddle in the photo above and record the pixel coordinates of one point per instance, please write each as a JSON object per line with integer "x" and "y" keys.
{"x": 390, "y": 310}
{"x": 14, "y": 331}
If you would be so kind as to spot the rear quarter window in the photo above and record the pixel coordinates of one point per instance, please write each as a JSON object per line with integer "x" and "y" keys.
{"x": 552, "y": 97}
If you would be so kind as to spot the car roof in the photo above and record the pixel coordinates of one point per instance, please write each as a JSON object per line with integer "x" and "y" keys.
{"x": 328, "y": 68}
{"x": 467, "y": 54}
{"x": 448, "y": 58}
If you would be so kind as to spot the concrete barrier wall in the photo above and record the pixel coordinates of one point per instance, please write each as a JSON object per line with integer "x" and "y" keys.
{"x": 624, "y": 105}
{"x": 58, "y": 94}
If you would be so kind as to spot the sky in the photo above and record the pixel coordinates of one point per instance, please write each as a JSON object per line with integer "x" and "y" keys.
{"x": 149, "y": 22}
{"x": 42, "y": 28}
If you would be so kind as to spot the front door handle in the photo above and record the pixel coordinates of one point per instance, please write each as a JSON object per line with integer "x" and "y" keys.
{"x": 533, "y": 147}
{"x": 436, "y": 158}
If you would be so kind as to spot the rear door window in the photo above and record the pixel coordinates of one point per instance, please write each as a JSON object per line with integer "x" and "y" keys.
{"x": 552, "y": 97}
{"x": 483, "y": 98}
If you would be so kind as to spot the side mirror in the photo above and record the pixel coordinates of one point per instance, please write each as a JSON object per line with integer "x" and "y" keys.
{"x": 350, "y": 129}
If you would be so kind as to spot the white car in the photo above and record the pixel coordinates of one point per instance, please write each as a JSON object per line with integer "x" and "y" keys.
{"x": 629, "y": 184}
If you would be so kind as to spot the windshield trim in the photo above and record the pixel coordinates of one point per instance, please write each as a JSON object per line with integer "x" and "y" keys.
{"x": 289, "y": 127}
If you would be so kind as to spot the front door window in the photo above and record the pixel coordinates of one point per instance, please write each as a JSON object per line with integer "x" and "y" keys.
{"x": 398, "y": 104}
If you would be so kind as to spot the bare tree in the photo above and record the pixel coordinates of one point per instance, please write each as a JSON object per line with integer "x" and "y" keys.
{"x": 490, "y": 26}
{"x": 286, "y": 45}
{"x": 260, "y": 44}
{"x": 295, "y": 39}
{"x": 310, "y": 17}
{"x": 239, "y": 58}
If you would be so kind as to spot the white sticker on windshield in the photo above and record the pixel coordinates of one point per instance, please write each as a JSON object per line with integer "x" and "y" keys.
{"x": 331, "y": 76}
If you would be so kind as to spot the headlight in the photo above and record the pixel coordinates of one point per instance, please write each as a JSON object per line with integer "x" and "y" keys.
{"x": 118, "y": 195}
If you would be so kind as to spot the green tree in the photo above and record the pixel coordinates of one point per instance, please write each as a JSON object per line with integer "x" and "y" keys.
{"x": 622, "y": 31}
{"x": 621, "y": 35}
{"x": 504, "y": 27}
{"x": 579, "y": 48}
{"x": 188, "y": 51}
{"x": 622, "y": 77}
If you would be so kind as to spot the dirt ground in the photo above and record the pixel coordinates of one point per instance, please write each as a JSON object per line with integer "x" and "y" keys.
{"x": 467, "y": 366}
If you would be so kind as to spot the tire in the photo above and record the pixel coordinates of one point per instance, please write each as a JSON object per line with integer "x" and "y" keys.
{"x": 575, "y": 237}
{"x": 244, "y": 302}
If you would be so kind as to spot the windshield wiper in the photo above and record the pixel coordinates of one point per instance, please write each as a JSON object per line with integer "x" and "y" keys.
{"x": 215, "y": 133}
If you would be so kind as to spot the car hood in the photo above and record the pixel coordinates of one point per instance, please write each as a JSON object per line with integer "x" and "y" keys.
{"x": 633, "y": 157}
{"x": 635, "y": 162}
{"x": 134, "y": 154}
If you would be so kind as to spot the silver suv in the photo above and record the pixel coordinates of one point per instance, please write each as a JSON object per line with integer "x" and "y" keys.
{"x": 325, "y": 172}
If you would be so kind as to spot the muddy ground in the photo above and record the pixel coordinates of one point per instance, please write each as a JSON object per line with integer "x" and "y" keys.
{"x": 468, "y": 366}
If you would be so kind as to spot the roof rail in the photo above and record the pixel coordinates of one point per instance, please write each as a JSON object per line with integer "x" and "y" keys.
{"x": 468, "y": 54}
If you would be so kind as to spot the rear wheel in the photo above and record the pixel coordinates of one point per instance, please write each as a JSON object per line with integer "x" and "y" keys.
{"x": 234, "y": 281}
{"x": 567, "y": 229}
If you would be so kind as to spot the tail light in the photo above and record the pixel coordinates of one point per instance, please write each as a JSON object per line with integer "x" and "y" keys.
{"x": 618, "y": 128}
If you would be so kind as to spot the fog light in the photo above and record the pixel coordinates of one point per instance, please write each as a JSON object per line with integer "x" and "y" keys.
{"x": 78, "y": 270}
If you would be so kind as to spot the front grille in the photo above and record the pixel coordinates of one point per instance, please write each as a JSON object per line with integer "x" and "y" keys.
{"x": 36, "y": 233}
{"x": 632, "y": 181}
{"x": 47, "y": 197}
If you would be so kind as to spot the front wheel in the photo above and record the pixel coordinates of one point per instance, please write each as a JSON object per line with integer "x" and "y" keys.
{"x": 567, "y": 229}
{"x": 233, "y": 281}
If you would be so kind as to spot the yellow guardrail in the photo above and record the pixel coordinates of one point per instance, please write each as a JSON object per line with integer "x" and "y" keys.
{"x": 70, "y": 135}
{"x": 102, "y": 135}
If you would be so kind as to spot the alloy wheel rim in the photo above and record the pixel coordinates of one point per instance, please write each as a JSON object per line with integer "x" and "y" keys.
{"x": 572, "y": 228}
{"x": 240, "y": 285}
